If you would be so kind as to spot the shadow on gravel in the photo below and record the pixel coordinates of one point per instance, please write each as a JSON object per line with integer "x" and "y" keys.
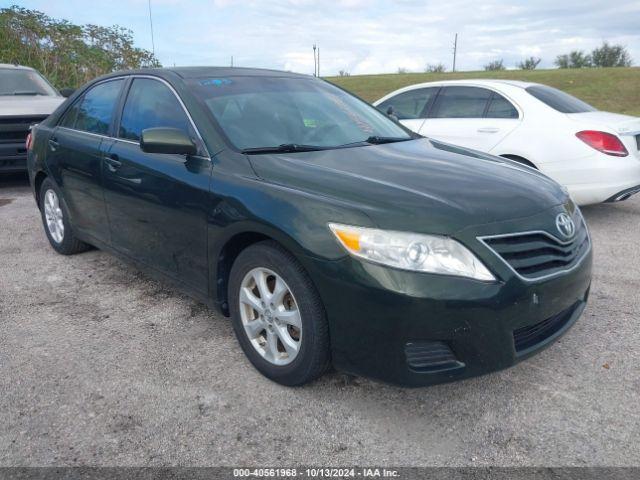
{"x": 611, "y": 212}
{"x": 12, "y": 180}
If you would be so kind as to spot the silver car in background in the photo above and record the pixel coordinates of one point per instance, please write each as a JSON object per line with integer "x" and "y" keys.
{"x": 26, "y": 98}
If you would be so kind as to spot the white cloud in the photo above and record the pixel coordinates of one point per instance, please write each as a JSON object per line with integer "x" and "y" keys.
{"x": 361, "y": 36}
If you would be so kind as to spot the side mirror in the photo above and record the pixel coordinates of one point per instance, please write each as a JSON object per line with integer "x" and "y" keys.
{"x": 167, "y": 140}
{"x": 67, "y": 92}
{"x": 391, "y": 112}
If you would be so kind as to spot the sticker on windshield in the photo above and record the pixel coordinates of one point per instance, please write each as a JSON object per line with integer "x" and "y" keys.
{"x": 216, "y": 82}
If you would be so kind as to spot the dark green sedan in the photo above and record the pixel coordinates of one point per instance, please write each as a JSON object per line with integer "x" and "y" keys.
{"x": 329, "y": 234}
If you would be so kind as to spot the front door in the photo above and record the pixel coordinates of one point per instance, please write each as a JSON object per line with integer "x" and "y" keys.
{"x": 410, "y": 107}
{"x": 157, "y": 202}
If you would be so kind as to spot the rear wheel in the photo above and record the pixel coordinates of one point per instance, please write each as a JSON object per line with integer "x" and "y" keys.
{"x": 55, "y": 219}
{"x": 278, "y": 316}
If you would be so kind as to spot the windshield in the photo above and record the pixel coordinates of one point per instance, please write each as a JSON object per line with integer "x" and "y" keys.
{"x": 15, "y": 81}
{"x": 262, "y": 112}
{"x": 558, "y": 100}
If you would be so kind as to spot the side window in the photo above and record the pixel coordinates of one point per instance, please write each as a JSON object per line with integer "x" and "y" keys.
{"x": 95, "y": 110}
{"x": 500, "y": 107}
{"x": 461, "y": 102}
{"x": 409, "y": 104}
{"x": 151, "y": 104}
{"x": 70, "y": 116}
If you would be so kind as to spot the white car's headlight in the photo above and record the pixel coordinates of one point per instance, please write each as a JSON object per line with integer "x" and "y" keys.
{"x": 411, "y": 251}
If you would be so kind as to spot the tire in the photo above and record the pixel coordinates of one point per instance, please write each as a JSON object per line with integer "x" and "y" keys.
{"x": 301, "y": 305}
{"x": 62, "y": 239}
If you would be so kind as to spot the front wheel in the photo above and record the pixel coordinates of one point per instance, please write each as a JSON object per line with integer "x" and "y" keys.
{"x": 278, "y": 316}
{"x": 55, "y": 219}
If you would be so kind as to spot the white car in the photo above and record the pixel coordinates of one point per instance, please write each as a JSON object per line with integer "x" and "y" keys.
{"x": 595, "y": 154}
{"x": 26, "y": 98}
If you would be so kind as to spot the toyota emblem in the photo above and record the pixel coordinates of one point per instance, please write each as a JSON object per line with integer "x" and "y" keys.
{"x": 565, "y": 225}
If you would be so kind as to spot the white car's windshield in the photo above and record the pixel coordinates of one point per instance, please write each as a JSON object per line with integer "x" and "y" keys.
{"x": 262, "y": 114}
{"x": 23, "y": 82}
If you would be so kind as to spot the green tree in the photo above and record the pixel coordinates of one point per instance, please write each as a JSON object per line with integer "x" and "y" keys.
{"x": 435, "y": 68}
{"x": 67, "y": 54}
{"x": 574, "y": 59}
{"x": 529, "y": 63}
{"x": 610, "y": 56}
{"x": 495, "y": 65}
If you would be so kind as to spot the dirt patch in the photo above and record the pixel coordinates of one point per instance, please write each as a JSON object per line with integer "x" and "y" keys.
{"x": 6, "y": 201}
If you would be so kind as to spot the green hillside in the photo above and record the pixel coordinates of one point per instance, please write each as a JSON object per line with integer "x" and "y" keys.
{"x": 610, "y": 89}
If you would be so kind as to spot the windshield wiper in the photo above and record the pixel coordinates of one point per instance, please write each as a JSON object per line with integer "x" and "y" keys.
{"x": 284, "y": 148}
{"x": 375, "y": 140}
{"x": 22, "y": 92}
{"x": 378, "y": 140}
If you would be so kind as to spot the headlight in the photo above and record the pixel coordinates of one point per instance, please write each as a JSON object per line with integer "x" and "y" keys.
{"x": 411, "y": 251}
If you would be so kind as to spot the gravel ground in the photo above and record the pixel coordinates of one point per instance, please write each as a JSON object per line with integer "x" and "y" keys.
{"x": 100, "y": 365}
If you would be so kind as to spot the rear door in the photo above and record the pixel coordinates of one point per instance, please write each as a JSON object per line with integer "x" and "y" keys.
{"x": 410, "y": 107}
{"x": 75, "y": 156}
{"x": 472, "y": 117}
{"x": 157, "y": 202}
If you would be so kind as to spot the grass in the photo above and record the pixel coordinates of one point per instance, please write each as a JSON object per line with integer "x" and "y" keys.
{"x": 609, "y": 89}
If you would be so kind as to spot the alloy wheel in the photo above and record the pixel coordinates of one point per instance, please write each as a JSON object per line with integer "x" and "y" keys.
{"x": 53, "y": 215}
{"x": 270, "y": 316}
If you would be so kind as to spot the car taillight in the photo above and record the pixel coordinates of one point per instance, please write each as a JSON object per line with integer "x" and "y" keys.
{"x": 28, "y": 142}
{"x": 603, "y": 142}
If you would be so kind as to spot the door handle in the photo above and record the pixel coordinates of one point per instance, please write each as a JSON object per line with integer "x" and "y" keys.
{"x": 488, "y": 130}
{"x": 112, "y": 162}
{"x": 53, "y": 144}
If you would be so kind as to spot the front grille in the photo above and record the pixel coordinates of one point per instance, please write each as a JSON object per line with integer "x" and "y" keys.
{"x": 16, "y": 129}
{"x": 526, "y": 337}
{"x": 536, "y": 255}
{"x": 430, "y": 357}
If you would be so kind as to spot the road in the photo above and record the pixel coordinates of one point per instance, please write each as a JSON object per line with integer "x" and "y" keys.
{"x": 100, "y": 365}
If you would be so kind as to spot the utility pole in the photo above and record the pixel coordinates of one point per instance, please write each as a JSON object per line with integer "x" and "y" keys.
{"x": 231, "y": 60}
{"x": 153, "y": 45}
{"x": 318, "y": 61}
{"x": 315, "y": 62}
{"x": 455, "y": 51}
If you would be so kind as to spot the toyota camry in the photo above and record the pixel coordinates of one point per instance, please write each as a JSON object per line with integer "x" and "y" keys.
{"x": 330, "y": 234}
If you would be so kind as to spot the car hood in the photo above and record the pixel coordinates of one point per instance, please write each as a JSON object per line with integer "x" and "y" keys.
{"x": 25, "y": 105}
{"x": 420, "y": 185}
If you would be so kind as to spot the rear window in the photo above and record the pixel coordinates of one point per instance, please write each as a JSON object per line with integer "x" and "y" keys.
{"x": 558, "y": 100}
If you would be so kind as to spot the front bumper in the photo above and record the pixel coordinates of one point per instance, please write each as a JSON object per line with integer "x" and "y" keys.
{"x": 13, "y": 157}
{"x": 385, "y": 323}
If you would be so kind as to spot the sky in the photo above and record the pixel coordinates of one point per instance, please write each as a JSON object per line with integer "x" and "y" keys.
{"x": 359, "y": 36}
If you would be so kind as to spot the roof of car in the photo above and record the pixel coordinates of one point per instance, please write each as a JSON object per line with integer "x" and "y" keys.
{"x": 204, "y": 72}
{"x": 199, "y": 72}
{"x": 480, "y": 81}
{"x": 486, "y": 82}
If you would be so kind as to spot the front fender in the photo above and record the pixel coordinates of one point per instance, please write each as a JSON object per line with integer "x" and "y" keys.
{"x": 297, "y": 220}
